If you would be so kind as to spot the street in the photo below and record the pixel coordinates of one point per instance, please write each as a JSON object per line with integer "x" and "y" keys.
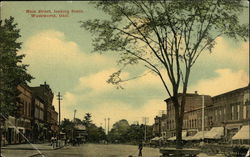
{"x": 85, "y": 150}
{"x": 96, "y": 150}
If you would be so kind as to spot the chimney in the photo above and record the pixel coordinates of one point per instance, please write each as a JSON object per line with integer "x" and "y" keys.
{"x": 196, "y": 92}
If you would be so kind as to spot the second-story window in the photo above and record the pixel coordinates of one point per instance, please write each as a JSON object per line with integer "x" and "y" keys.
{"x": 244, "y": 112}
{"x": 232, "y": 112}
{"x": 238, "y": 112}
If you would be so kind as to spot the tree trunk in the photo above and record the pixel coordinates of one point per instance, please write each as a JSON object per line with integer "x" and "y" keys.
{"x": 0, "y": 137}
{"x": 179, "y": 111}
{"x": 2, "y": 121}
{"x": 178, "y": 125}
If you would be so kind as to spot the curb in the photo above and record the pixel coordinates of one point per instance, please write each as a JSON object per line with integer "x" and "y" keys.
{"x": 57, "y": 148}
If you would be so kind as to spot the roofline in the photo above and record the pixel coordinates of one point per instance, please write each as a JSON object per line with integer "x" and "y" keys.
{"x": 233, "y": 91}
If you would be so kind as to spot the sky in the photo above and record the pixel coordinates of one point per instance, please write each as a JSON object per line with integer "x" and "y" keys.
{"x": 60, "y": 52}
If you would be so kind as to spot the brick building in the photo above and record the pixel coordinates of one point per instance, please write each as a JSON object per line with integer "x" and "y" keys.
{"x": 35, "y": 119}
{"x": 19, "y": 125}
{"x": 226, "y": 113}
{"x": 192, "y": 113}
{"x": 45, "y": 117}
{"x": 230, "y": 110}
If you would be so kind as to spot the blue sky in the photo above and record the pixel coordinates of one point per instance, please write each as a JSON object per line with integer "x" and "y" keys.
{"x": 59, "y": 52}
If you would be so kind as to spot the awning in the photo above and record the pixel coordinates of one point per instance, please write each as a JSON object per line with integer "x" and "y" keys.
{"x": 215, "y": 133}
{"x": 157, "y": 139}
{"x": 242, "y": 134}
{"x": 197, "y": 136}
{"x": 184, "y": 134}
{"x": 80, "y": 127}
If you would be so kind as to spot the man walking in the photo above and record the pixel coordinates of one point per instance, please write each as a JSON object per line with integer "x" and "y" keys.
{"x": 140, "y": 146}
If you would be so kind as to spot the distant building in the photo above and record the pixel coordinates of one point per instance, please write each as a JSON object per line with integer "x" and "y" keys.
{"x": 157, "y": 126}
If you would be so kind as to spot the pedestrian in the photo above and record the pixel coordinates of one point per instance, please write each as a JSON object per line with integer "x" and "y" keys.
{"x": 51, "y": 141}
{"x": 140, "y": 147}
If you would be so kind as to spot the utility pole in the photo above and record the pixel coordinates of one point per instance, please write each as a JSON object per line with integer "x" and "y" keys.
{"x": 105, "y": 125}
{"x": 145, "y": 120}
{"x": 74, "y": 116}
{"x": 74, "y": 120}
{"x": 108, "y": 125}
{"x": 59, "y": 98}
{"x": 203, "y": 116}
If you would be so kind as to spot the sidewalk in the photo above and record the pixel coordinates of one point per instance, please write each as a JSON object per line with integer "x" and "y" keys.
{"x": 26, "y": 150}
{"x": 43, "y": 146}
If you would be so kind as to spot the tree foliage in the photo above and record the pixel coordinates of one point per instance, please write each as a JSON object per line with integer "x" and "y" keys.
{"x": 166, "y": 36}
{"x": 119, "y": 131}
{"x": 122, "y": 132}
{"x": 12, "y": 71}
{"x": 67, "y": 126}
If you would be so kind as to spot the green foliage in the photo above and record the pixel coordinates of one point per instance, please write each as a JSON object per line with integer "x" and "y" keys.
{"x": 67, "y": 126}
{"x": 119, "y": 131}
{"x": 12, "y": 71}
{"x": 95, "y": 134}
{"x": 122, "y": 132}
{"x": 87, "y": 119}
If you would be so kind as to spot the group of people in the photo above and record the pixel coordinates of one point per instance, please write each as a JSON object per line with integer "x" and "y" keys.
{"x": 53, "y": 142}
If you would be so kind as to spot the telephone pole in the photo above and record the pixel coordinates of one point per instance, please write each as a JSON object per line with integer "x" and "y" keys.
{"x": 145, "y": 120}
{"x": 74, "y": 116}
{"x": 108, "y": 125}
{"x": 59, "y": 98}
{"x": 105, "y": 125}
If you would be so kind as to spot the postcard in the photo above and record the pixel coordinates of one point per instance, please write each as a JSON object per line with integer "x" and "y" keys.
{"x": 124, "y": 78}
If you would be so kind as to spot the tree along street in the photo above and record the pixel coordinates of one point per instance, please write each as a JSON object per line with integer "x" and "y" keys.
{"x": 167, "y": 37}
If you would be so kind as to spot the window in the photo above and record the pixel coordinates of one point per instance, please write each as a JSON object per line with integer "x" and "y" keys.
{"x": 220, "y": 115}
{"x": 232, "y": 112}
{"x": 36, "y": 113}
{"x": 41, "y": 115}
{"x": 215, "y": 115}
{"x": 244, "y": 112}
{"x": 238, "y": 112}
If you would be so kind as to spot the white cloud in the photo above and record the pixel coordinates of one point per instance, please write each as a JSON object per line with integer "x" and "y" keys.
{"x": 116, "y": 110}
{"x": 223, "y": 53}
{"x": 50, "y": 47}
{"x": 226, "y": 80}
{"x": 97, "y": 82}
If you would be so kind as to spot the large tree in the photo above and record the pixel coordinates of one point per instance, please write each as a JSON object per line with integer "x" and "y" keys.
{"x": 12, "y": 71}
{"x": 166, "y": 36}
{"x": 119, "y": 131}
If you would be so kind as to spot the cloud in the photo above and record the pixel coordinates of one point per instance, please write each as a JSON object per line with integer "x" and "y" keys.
{"x": 226, "y": 80}
{"x": 51, "y": 47}
{"x": 232, "y": 54}
{"x": 97, "y": 82}
{"x": 68, "y": 104}
{"x": 103, "y": 100}
{"x": 117, "y": 110}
